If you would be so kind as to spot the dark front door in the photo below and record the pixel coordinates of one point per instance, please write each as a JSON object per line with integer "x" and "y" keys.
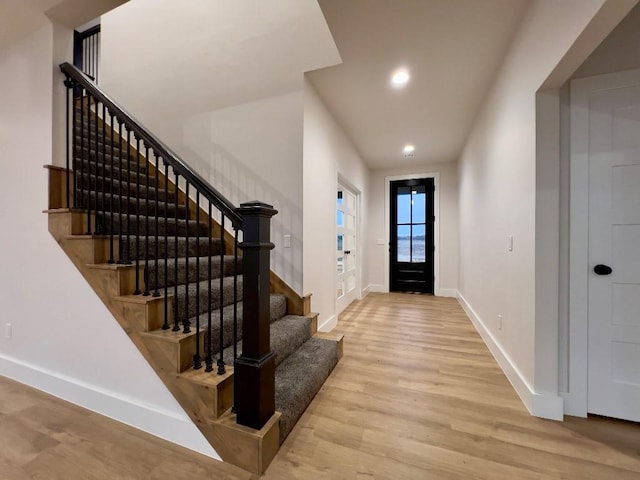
{"x": 411, "y": 243}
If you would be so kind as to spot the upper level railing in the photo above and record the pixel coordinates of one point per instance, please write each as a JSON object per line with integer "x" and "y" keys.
{"x": 86, "y": 51}
{"x": 180, "y": 233}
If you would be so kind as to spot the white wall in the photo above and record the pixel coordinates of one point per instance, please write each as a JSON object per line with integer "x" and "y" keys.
{"x": 250, "y": 152}
{"x": 221, "y": 84}
{"x": 328, "y": 155}
{"x": 64, "y": 340}
{"x": 448, "y": 238}
{"x": 500, "y": 192}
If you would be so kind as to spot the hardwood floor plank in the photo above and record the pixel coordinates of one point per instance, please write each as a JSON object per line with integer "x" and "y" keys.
{"x": 43, "y": 437}
{"x": 418, "y": 395}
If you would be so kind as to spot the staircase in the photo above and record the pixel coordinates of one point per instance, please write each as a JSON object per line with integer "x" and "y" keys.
{"x": 165, "y": 253}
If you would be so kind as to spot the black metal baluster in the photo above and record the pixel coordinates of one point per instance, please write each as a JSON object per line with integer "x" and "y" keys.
{"x": 137, "y": 289}
{"x": 93, "y": 56}
{"x": 221, "y": 369}
{"x": 128, "y": 150}
{"x": 208, "y": 357}
{"x": 176, "y": 322}
{"x": 103, "y": 226}
{"x": 165, "y": 325}
{"x": 82, "y": 154}
{"x": 96, "y": 226}
{"x": 97, "y": 54}
{"x": 74, "y": 145}
{"x": 122, "y": 259}
{"x": 197, "y": 360}
{"x": 68, "y": 84}
{"x": 156, "y": 293}
{"x": 111, "y": 189}
{"x": 89, "y": 164}
{"x": 146, "y": 219}
{"x": 235, "y": 295}
{"x": 186, "y": 322}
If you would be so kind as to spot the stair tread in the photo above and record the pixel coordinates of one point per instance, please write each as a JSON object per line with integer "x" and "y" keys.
{"x": 300, "y": 377}
{"x": 111, "y": 266}
{"x": 288, "y": 333}
{"x": 207, "y": 378}
{"x": 141, "y": 298}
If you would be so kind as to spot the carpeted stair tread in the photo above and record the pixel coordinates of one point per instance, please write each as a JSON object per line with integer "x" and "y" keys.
{"x": 105, "y": 169}
{"x": 131, "y": 205}
{"x": 300, "y": 377}
{"x": 143, "y": 225}
{"x": 121, "y": 158}
{"x": 201, "y": 266}
{"x": 100, "y": 146}
{"x": 85, "y": 181}
{"x": 276, "y": 302}
{"x": 287, "y": 335}
{"x": 185, "y": 246}
{"x": 185, "y": 296}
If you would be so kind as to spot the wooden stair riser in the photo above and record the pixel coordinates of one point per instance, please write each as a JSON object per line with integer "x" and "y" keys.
{"x": 58, "y": 188}
{"x": 143, "y": 314}
{"x": 175, "y": 354}
{"x": 240, "y": 443}
{"x": 93, "y": 250}
{"x": 313, "y": 326}
{"x": 336, "y": 337}
{"x": 120, "y": 280}
{"x": 214, "y": 393}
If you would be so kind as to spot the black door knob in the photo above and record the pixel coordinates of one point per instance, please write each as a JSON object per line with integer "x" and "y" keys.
{"x": 602, "y": 270}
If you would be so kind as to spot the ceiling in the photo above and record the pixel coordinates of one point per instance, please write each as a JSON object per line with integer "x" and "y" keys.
{"x": 452, "y": 49}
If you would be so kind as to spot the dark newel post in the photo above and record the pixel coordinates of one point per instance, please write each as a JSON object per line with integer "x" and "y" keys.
{"x": 254, "y": 370}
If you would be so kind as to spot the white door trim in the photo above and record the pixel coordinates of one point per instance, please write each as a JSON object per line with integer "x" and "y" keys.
{"x": 358, "y": 293}
{"x": 436, "y": 227}
{"x": 576, "y": 397}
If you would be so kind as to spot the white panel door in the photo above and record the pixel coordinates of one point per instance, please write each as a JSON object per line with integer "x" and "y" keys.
{"x": 346, "y": 248}
{"x": 614, "y": 242}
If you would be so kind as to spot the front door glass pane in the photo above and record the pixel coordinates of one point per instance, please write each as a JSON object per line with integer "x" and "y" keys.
{"x": 418, "y": 244}
{"x": 404, "y": 243}
{"x": 418, "y": 205}
{"x": 404, "y": 205}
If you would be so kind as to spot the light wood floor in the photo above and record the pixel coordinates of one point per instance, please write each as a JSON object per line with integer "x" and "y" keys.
{"x": 45, "y": 438}
{"x": 416, "y": 396}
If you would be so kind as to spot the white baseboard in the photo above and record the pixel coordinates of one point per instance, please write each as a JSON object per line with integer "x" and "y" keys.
{"x": 447, "y": 292}
{"x": 168, "y": 425}
{"x": 365, "y": 291}
{"x": 329, "y": 324}
{"x": 375, "y": 288}
{"x": 544, "y": 405}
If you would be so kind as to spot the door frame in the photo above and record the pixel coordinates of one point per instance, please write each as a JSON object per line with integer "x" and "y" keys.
{"x": 342, "y": 182}
{"x": 436, "y": 225}
{"x": 576, "y": 399}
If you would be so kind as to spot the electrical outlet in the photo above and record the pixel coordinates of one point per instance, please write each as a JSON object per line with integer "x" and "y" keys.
{"x": 287, "y": 241}
{"x": 499, "y": 322}
{"x": 8, "y": 331}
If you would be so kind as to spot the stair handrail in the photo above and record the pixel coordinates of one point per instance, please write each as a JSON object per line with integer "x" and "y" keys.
{"x": 180, "y": 167}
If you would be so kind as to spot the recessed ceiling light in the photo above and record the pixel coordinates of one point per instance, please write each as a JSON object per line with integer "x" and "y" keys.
{"x": 408, "y": 150}
{"x": 400, "y": 78}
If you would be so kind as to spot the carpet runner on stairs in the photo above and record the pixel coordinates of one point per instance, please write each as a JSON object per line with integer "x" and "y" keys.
{"x": 149, "y": 221}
